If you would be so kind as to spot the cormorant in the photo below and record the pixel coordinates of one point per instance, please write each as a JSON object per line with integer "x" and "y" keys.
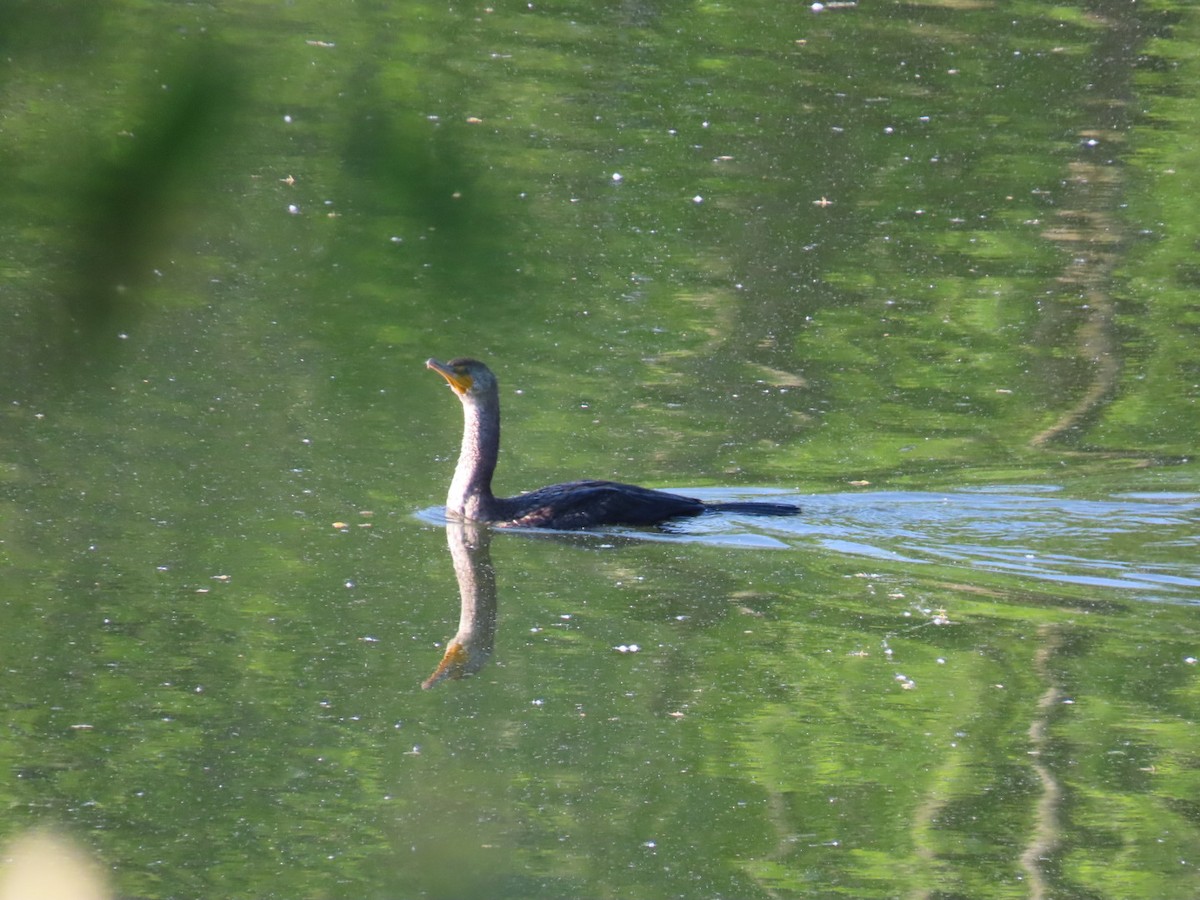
{"x": 575, "y": 504}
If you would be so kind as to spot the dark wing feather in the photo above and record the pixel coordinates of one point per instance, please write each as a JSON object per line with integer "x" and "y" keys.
{"x": 580, "y": 504}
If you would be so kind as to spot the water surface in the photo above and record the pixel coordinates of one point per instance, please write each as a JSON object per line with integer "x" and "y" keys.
{"x": 927, "y": 269}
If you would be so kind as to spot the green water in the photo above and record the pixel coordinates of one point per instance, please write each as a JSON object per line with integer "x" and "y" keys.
{"x": 927, "y": 270}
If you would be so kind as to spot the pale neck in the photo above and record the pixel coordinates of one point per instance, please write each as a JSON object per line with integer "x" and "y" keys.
{"x": 471, "y": 488}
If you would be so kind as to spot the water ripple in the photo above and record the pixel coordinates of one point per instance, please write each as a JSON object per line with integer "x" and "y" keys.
{"x": 1145, "y": 542}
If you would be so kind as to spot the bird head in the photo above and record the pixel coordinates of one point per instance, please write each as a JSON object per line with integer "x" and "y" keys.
{"x": 467, "y": 377}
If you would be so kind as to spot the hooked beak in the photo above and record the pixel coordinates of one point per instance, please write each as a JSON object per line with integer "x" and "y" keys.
{"x": 459, "y": 379}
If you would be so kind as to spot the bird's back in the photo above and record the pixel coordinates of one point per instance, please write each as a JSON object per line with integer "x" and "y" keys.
{"x": 581, "y": 504}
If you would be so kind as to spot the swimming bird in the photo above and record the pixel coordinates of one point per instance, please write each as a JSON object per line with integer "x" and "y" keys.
{"x": 575, "y": 504}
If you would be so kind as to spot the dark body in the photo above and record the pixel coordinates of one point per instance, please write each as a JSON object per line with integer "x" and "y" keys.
{"x": 578, "y": 504}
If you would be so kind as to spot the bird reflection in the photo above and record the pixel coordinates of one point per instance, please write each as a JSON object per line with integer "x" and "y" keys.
{"x": 471, "y": 647}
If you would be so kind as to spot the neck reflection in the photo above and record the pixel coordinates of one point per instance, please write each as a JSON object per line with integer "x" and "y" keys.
{"x": 471, "y": 647}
